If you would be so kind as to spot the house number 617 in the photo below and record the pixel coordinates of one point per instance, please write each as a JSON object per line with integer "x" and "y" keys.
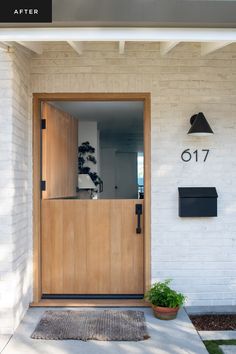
{"x": 187, "y": 155}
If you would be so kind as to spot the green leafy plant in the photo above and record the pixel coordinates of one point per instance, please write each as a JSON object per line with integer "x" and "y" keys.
{"x": 160, "y": 294}
{"x": 86, "y": 154}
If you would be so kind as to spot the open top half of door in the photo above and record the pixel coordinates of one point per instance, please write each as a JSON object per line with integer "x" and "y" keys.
{"x": 59, "y": 153}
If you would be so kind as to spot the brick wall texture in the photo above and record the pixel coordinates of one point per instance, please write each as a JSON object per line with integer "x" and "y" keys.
{"x": 15, "y": 189}
{"x": 197, "y": 253}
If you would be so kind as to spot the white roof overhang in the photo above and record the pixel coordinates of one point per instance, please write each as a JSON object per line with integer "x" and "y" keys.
{"x": 137, "y": 34}
{"x": 211, "y": 39}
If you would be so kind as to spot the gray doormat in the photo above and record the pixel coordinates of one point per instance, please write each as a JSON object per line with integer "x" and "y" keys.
{"x": 104, "y": 325}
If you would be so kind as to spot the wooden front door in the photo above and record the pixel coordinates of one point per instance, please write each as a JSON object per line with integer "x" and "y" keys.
{"x": 88, "y": 246}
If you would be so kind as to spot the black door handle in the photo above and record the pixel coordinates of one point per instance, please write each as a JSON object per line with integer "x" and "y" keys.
{"x": 138, "y": 212}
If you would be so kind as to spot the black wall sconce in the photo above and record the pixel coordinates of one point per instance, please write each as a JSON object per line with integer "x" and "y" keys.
{"x": 200, "y": 126}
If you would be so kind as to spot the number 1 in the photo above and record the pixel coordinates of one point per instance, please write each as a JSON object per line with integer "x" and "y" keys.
{"x": 196, "y": 153}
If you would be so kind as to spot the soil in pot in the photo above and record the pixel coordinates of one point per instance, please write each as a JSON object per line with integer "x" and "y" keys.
{"x": 165, "y": 313}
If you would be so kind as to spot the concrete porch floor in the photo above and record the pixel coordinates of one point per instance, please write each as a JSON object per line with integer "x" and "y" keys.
{"x": 174, "y": 337}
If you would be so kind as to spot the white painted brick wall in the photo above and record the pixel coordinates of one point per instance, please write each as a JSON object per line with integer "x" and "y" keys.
{"x": 22, "y": 166}
{"x": 6, "y": 184}
{"x": 199, "y": 254}
{"x": 15, "y": 189}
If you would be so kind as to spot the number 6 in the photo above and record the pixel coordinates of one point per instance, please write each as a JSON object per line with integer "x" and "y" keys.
{"x": 189, "y": 156}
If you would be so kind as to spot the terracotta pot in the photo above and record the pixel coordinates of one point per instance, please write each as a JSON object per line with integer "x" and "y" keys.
{"x": 165, "y": 313}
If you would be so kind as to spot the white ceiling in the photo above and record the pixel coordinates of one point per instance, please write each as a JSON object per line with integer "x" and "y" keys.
{"x": 119, "y": 122}
{"x": 103, "y": 111}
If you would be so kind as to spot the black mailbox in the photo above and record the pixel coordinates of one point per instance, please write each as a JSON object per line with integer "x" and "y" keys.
{"x": 197, "y": 201}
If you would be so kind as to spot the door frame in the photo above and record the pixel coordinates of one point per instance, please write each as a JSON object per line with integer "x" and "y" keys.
{"x": 37, "y": 157}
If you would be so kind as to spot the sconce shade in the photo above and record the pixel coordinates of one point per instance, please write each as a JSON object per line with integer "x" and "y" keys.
{"x": 85, "y": 182}
{"x": 200, "y": 126}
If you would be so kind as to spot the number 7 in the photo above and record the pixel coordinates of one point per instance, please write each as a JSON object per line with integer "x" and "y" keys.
{"x": 207, "y": 152}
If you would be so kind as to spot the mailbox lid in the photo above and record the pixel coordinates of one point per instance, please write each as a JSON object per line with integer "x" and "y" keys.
{"x": 197, "y": 192}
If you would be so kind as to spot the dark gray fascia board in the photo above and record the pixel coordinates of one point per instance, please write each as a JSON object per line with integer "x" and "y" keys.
{"x": 140, "y": 13}
{"x": 146, "y": 12}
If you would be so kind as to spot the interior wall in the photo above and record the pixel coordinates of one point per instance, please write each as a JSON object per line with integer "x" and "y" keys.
{"x": 119, "y": 174}
{"x": 112, "y": 168}
{"x": 108, "y": 172}
{"x": 198, "y": 254}
{"x": 126, "y": 178}
{"x": 88, "y": 131}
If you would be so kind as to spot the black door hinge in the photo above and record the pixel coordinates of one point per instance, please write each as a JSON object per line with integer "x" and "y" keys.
{"x": 43, "y": 185}
{"x": 43, "y": 123}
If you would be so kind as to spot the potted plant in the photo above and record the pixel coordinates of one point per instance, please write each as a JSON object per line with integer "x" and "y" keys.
{"x": 165, "y": 301}
{"x": 85, "y": 155}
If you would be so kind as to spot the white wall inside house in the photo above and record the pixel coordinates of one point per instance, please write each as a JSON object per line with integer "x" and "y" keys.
{"x": 88, "y": 131}
{"x": 119, "y": 174}
{"x": 126, "y": 176}
{"x": 108, "y": 175}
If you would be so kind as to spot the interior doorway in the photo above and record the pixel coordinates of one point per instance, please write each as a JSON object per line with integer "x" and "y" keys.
{"x": 95, "y": 199}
